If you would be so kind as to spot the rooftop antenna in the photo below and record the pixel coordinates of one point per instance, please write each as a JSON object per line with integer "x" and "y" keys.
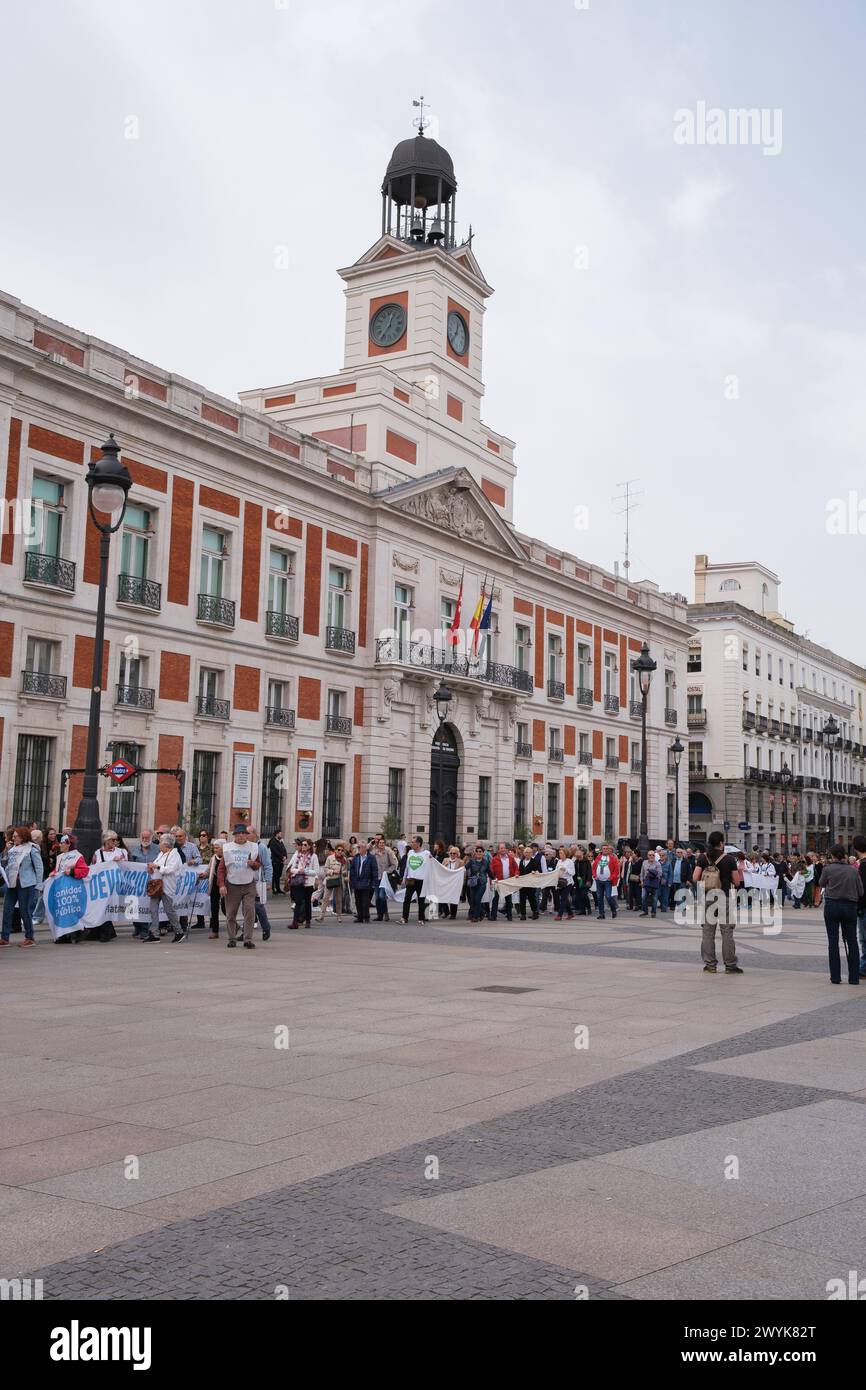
{"x": 626, "y": 496}
{"x": 419, "y": 121}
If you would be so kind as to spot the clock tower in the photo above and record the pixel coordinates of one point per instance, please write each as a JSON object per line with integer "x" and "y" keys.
{"x": 408, "y": 396}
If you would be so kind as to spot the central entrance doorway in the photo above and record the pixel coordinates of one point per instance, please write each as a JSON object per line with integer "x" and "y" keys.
{"x": 444, "y": 766}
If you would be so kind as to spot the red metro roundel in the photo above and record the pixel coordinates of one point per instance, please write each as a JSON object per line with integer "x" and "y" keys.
{"x": 121, "y": 770}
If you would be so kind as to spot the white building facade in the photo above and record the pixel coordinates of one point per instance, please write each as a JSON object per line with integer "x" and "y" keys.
{"x": 759, "y": 697}
{"x": 287, "y": 568}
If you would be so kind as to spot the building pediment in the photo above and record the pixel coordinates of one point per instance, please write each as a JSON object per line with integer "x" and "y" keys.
{"x": 455, "y": 505}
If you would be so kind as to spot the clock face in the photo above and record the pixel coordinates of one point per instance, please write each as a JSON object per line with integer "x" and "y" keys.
{"x": 388, "y": 325}
{"x": 458, "y": 333}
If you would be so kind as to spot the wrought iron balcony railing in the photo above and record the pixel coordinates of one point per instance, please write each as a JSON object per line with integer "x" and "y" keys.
{"x": 278, "y": 717}
{"x": 775, "y": 726}
{"x": 748, "y": 719}
{"x": 611, "y": 761}
{"x": 340, "y": 639}
{"x": 135, "y": 696}
{"x": 584, "y": 757}
{"x": 635, "y": 708}
{"x": 611, "y": 704}
{"x": 219, "y": 611}
{"x": 637, "y": 764}
{"x": 339, "y": 724}
{"x": 44, "y": 686}
{"x": 139, "y": 593}
{"x": 523, "y": 750}
{"x": 49, "y": 570}
{"x": 762, "y": 723}
{"x": 556, "y": 755}
{"x": 584, "y": 695}
{"x": 555, "y": 690}
{"x": 671, "y": 717}
{"x": 807, "y": 735}
{"x": 389, "y": 651}
{"x": 282, "y": 625}
{"x": 209, "y": 707}
{"x": 697, "y": 719}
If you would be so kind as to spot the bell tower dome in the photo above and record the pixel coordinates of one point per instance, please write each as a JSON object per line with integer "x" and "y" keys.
{"x": 419, "y": 193}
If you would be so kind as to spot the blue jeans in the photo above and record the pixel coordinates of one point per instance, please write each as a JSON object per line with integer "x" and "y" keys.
{"x": 648, "y": 898}
{"x": 861, "y": 935}
{"x": 604, "y": 895}
{"x": 580, "y": 895}
{"x": 381, "y": 903}
{"x": 841, "y": 915}
{"x": 476, "y": 893}
{"x": 563, "y": 900}
{"x": 25, "y": 900}
{"x": 664, "y": 896}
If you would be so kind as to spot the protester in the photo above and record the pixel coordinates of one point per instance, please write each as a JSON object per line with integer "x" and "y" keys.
{"x": 412, "y": 871}
{"x": 335, "y": 865}
{"x": 161, "y": 889}
{"x": 302, "y": 871}
{"x": 503, "y": 865}
{"x": 264, "y": 875}
{"x": 718, "y": 874}
{"x": 279, "y": 854}
{"x": 651, "y": 882}
{"x": 364, "y": 878}
{"x": 477, "y": 878}
{"x": 387, "y": 863}
{"x": 842, "y": 893}
{"x": 605, "y": 872}
{"x": 236, "y": 876}
{"x": 23, "y": 870}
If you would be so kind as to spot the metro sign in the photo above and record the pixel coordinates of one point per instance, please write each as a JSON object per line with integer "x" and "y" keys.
{"x": 121, "y": 771}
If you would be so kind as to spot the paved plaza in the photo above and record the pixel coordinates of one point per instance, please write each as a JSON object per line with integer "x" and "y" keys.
{"x": 432, "y": 1130}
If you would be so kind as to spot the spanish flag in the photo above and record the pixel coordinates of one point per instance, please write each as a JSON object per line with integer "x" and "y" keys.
{"x": 476, "y": 617}
{"x": 454, "y": 629}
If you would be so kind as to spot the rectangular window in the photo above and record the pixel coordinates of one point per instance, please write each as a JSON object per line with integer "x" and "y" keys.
{"x": 274, "y": 778}
{"x": 694, "y": 659}
{"x": 696, "y": 704}
{"x": 33, "y": 768}
{"x": 521, "y": 827}
{"x": 42, "y": 656}
{"x": 583, "y": 665}
{"x": 396, "y": 777}
{"x": 634, "y": 814}
{"x": 582, "y": 803}
{"x": 483, "y": 808}
{"x": 130, "y": 674}
{"x": 584, "y": 743}
{"x": 610, "y": 750}
{"x": 696, "y": 757}
{"x": 135, "y": 542}
{"x": 610, "y": 682}
{"x": 635, "y": 754}
{"x": 123, "y": 801}
{"x": 281, "y": 568}
{"x": 609, "y": 800}
{"x": 745, "y": 656}
{"x": 757, "y": 662}
{"x": 212, "y": 566}
{"x": 769, "y": 666}
{"x": 332, "y": 800}
{"x": 338, "y": 597}
{"x": 403, "y": 603}
{"x": 553, "y": 810}
{"x": 278, "y": 695}
{"x": 554, "y": 658}
{"x": 522, "y": 646}
{"x": 203, "y": 796}
{"x": 523, "y": 734}
{"x": 335, "y": 704}
{"x": 670, "y": 683}
{"x": 45, "y": 538}
{"x": 209, "y": 683}
{"x": 554, "y": 740}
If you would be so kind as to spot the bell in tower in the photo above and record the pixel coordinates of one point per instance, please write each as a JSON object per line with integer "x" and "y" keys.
{"x": 419, "y": 193}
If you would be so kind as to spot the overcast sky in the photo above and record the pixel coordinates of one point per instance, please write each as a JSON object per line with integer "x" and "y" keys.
{"x": 688, "y": 315}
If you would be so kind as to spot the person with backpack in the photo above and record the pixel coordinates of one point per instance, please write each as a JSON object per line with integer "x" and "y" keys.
{"x": 651, "y": 881}
{"x": 605, "y": 871}
{"x": 717, "y": 874}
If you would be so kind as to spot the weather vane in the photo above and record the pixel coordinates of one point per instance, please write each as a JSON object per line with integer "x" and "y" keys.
{"x": 419, "y": 122}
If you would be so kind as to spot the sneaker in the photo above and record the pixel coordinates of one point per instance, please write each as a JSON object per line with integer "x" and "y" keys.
{"x": 646, "y": 914}
{"x": 733, "y": 970}
{"x": 266, "y": 936}
{"x": 150, "y": 937}
{"x": 709, "y": 969}
{"x": 213, "y": 936}
{"x": 557, "y": 918}
{"x": 178, "y": 936}
{"x": 28, "y": 941}
{"x": 231, "y": 945}
{"x": 249, "y": 945}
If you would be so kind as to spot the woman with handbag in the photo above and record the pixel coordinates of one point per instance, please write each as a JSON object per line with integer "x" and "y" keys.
{"x": 302, "y": 873}
{"x": 23, "y": 868}
{"x": 162, "y": 882}
{"x": 334, "y": 865}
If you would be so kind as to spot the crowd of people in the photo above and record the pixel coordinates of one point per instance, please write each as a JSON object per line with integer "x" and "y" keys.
{"x": 328, "y": 880}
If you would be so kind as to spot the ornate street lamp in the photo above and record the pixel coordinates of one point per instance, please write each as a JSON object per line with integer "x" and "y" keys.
{"x": 831, "y": 737}
{"x": 677, "y": 748}
{"x": 644, "y": 666}
{"x": 442, "y": 700}
{"x": 108, "y": 483}
{"x": 786, "y": 777}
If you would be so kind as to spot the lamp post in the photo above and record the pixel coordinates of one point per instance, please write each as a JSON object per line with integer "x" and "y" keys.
{"x": 108, "y": 483}
{"x": 786, "y": 777}
{"x": 644, "y": 666}
{"x": 831, "y": 734}
{"x": 677, "y": 748}
{"x": 442, "y": 699}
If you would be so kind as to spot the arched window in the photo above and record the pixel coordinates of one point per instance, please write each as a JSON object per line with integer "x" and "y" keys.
{"x": 729, "y": 584}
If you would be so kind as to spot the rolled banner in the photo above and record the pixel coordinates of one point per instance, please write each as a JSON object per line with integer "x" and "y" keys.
{"x": 514, "y": 885}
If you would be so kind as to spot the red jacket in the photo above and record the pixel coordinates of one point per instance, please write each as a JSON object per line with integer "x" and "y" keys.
{"x": 613, "y": 863}
{"x": 496, "y": 867}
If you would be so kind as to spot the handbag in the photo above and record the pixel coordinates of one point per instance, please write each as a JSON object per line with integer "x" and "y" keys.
{"x": 333, "y": 881}
{"x": 154, "y": 888}
{"x": 297, "y": 881}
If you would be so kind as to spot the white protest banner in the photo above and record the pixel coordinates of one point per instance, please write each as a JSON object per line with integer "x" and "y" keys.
{"x": 116, "y": 893}
{"x": 445, "y": 885}
{"x": 513, "y": 885}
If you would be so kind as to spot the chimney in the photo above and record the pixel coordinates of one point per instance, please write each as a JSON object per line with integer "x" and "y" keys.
{"x": 701, "y": 567}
